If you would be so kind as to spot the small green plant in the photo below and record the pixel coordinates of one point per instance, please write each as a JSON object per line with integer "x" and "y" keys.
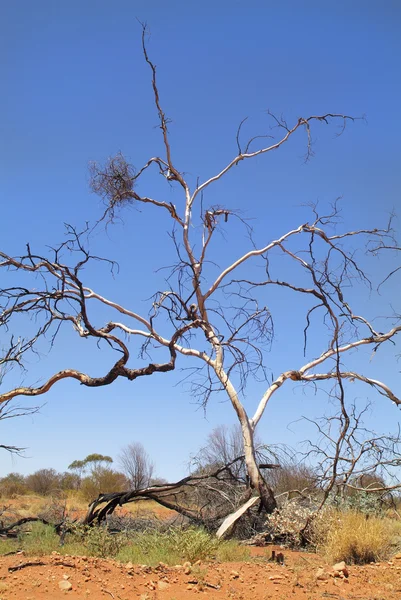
{"x": 232, "y": 551}
{"x": 100, "y": 542}
{"x": 40, "y": 540}
{"x": 179, "y": 545}
{"x": 8, "y": 546}
{"x": 194, "y": 544}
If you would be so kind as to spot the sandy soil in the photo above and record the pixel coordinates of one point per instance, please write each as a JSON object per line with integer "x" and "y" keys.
{"x": 93, "y": 578}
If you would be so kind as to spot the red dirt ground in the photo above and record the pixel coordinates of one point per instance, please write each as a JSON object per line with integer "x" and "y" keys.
{"x": 93, "y": 578}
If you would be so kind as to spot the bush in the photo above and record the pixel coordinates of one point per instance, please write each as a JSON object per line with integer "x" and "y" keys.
{"x": 12, "y": 485}
{"x": 354, "y": 537}
{"x": 98, "y": 541}
{"x": 103, "y": 480}
{"x": 70, "y": 481}
{"x": 287, "y": 523}
{"x": 44, "y": 482}
{"x": 367, "y": 503}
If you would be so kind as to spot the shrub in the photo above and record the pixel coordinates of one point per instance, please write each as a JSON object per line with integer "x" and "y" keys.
{"x": 12, "y": 485}
{"x": 98, "y": 541}
{"x": 367, "y": 503}
{"x": 70, "y": 481}
{"x": 44, "y": 482}
{"x": 103, "y": 480}
{"x": 194, "y": 544}
{"x": 354, "y": 537}
{"x": 287, "y": 522}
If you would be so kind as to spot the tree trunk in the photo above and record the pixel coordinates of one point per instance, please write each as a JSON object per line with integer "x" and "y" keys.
{"x": 265, "y": 493}
{"x": 257, "y": 480}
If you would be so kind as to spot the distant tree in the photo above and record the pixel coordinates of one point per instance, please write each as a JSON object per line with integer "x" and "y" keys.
{"x": 12, "y": 484}
{"x": 96, "y": 461}
{"x": 78, "y": 466}
{"x": 44, "y": 482}
{"x": 224, "y": 446}
{"x": 103, "y": 480}
{"x": 70, "y": 481}
{"x": 93, "y": 462}
{"x": 293, "y": 478}
{"x": 158, "y": 481}
{"x": 136, "y": 465}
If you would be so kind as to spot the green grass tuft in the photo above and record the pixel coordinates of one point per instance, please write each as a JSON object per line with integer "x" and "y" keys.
{"x": 172, "y": 547}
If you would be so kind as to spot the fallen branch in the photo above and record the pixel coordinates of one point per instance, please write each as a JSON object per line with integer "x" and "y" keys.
{"x": 233, "y": 517}
{"x": 9, "y": 530}
{"x": 205, "y": 583}
{"x": 37, "y": 563}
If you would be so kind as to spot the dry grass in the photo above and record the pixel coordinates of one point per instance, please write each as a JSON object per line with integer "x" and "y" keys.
{"x": 31, "y": 505}
{"x": 356, "y": 539}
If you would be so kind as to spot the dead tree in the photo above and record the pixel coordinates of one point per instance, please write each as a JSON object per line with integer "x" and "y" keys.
{"x": 351, "y": 458}
{"x": 206, "y": 497}
{"x": 136, "y": 465}
{"x": 217, "y": 317}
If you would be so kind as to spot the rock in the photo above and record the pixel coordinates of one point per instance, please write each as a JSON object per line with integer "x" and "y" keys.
{"x": 129, "y": 566}
{"x": 321, "y": 575}
{"x": 163, "y": 585}
{"x": 340, "y": 568}
{"x": 397, "y": 556}
{"x": 234, "y": 574}
{"x": 187, "y": 570}
{"x": 64, "y": 585}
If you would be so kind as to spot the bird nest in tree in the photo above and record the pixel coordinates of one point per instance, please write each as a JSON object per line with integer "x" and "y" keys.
{"x": 114, "y": 182}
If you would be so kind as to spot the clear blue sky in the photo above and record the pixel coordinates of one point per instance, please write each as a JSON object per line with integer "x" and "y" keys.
{"x": 76, "y": 89}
